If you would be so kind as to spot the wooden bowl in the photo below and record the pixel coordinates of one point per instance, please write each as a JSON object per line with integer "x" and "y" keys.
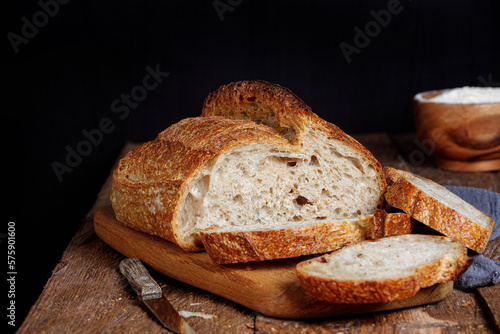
{"x": 462, "y": 137}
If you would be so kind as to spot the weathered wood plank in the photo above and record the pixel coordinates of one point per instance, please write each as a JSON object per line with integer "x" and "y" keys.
{"x": 413, "y": 151}
{"x": 490, "y": 299}
{"x": 438, "y": 317}
{"x": 492, "y": 250}
{"x": 382, "y": 147}
{"x": 346, "y": 324}
{"x": 208, "y": 312}
{"x": 459, "y": 312}
{"x": 497, "y": 183}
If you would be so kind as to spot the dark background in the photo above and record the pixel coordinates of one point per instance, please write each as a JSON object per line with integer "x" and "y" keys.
{"x": 65, "y": 78}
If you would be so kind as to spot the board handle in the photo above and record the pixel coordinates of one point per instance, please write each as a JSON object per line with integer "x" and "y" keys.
{"x": 140, "y": 279}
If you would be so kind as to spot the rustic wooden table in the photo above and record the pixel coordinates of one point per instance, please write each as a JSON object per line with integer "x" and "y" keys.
{"x": 87, "y": 294}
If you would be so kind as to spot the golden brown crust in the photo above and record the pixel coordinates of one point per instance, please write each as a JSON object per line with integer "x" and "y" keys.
{"x": 358, "y": 292}
{"x": 135, "y": 203}
{"x": 387, "y": 224}
{"x": 402, "y": 194}
{"x": 381, "y": 291}
{"x": 262, "y": 102}
{"x": 270, "y": 244}
{"x": 392, "y": 175}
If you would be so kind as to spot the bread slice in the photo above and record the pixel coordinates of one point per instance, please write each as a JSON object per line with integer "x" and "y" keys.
{"x": 383, "y": 270}
{"x": 438, "y": 208}
{"x": 258, "y": 155}
{"x": 389, "y": 224}
{"x": 236, "y": 244}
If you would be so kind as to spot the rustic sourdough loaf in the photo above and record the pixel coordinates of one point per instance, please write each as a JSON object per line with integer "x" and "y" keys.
{"x": 383, "y": 270}
{"x": 236, "y": 244}
{"x": 438, "y": 208}
{"x": 257, "y": 156}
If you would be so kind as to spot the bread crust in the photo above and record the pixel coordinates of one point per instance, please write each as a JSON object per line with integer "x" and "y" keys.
{"x": 359, "y": 292}
{"x": 402, "y": 194}
{"x": 264, "y": 103}
{"x": 385, "y": 290}
{"x": 388, "y": 224}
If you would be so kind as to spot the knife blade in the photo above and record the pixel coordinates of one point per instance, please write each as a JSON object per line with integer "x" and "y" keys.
{"x": 151, "y": 294}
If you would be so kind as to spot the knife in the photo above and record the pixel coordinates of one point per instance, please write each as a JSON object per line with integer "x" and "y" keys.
{"x": 152, "y": 295}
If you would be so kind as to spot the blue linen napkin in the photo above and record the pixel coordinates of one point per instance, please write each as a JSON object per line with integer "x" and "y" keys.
{"x": 483, "y": 271}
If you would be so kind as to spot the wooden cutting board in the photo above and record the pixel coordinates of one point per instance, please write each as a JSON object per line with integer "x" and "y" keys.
{"x": 269, "y": 287}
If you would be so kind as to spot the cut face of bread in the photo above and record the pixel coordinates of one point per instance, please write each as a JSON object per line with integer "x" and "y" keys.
{"x": 219, "y": 170}
{"x": 438, "y": 208}
{"x": 264, "y": 184}
{"x": 383, "y": 270}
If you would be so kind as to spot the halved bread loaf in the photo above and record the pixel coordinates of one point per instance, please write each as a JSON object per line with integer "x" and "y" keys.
{"x": 383, "y": 270}
{"x": 438, "y": 208}
{"x": 258, "y": 156}
{"x": 236, "y": 244}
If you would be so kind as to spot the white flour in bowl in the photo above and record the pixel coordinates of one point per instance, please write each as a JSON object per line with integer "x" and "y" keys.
{"x": 468, "y": 95}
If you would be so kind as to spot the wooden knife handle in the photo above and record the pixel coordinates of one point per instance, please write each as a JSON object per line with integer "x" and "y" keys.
{"x": 140, "y": 279}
